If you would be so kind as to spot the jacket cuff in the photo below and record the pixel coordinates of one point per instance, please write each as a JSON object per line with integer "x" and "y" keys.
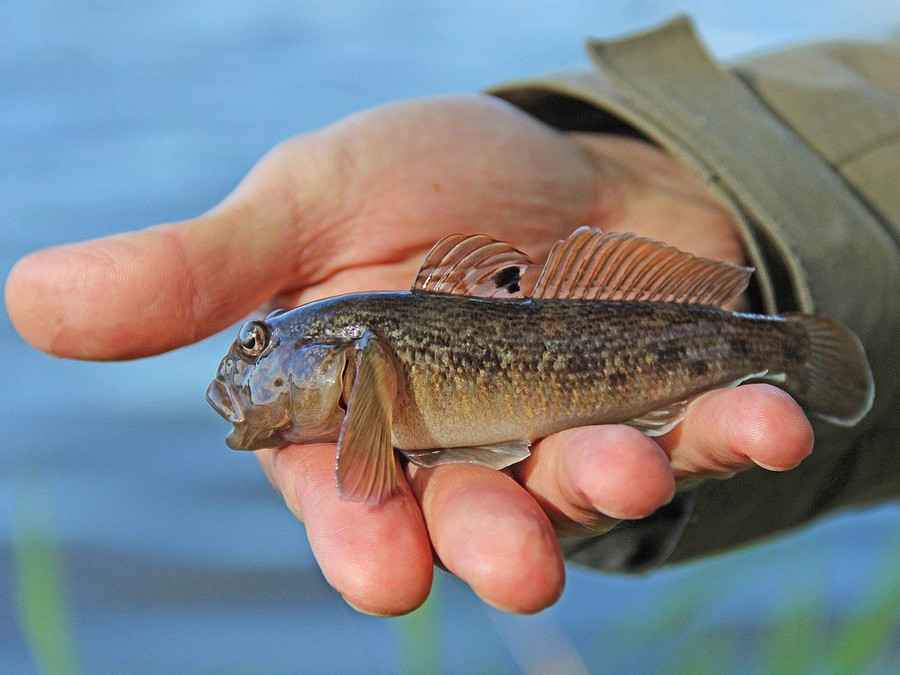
{"x": 798, "y": 217}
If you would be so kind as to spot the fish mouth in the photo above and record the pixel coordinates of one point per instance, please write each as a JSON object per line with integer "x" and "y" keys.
{"x": 223, "y": 402}
{"x": 245, "y": 437}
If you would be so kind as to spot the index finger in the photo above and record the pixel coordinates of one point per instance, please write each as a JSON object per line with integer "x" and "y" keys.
{"x": 378, "y": 558}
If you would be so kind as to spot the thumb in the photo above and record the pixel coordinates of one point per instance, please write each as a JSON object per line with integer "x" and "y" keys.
{"x": 145, "y": 292}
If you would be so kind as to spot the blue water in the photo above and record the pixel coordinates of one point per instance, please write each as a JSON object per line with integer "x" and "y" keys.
{"x": 175, "y": 553}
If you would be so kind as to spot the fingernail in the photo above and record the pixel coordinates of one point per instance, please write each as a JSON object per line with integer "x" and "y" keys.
{"x": 368, "y": 612}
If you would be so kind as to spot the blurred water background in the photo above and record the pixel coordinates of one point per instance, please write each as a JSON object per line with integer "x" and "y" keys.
{"x": 132, "y": 540}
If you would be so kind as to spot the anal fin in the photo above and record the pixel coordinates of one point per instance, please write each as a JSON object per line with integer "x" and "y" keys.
{"x": 663, "y": 420}
{"x": 496, "y": 456}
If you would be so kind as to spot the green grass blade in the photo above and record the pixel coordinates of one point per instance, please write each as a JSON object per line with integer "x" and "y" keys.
{"x": 39, "y": 583}
{"x": 795, "y": 632}
{"x": 868, "y": 633}
{"x": 707, "y": 654}
{"x": 418, "y": 635}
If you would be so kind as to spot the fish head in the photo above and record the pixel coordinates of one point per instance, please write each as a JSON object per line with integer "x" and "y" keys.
{"x": 276, "y": 388}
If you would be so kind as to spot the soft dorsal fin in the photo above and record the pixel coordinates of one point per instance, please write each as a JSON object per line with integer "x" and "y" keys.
{"x": 476, "y": 265}
{"x": 591, "y": 265}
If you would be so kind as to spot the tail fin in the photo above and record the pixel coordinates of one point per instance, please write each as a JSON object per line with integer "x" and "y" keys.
{"x": 835, "y": 382}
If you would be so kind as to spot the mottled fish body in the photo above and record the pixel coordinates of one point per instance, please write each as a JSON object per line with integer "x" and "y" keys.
{"x": 467, "y": 368}
{"x": 477, "y": 372}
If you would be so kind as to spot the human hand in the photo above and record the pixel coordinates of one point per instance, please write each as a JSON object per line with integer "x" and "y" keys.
{"x": 356, "y": 207}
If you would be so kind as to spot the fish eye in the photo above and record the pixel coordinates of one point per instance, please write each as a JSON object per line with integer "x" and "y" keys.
{"x": 253, "y": 338}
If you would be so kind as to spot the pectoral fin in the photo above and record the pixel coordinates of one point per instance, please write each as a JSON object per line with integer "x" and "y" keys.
{"x": 364, "y": 466}
{"x": 497, "y": 456}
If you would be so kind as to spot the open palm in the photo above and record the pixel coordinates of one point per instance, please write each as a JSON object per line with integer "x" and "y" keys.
{"x": 355, "y": 207}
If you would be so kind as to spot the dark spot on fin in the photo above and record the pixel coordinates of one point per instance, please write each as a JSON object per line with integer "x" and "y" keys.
{"x": 508, "y": 278}
{"x": 475, "y": 265}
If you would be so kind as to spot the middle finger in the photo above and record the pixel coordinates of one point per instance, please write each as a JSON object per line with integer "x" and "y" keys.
{"x": 490, "y": 533}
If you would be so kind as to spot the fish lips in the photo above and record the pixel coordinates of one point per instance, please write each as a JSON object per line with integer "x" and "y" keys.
{"x": 223, "y": 402}
{"x": 244, "y": 437}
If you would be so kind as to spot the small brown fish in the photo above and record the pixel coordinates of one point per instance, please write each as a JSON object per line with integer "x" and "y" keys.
{"x": 468, "y": 368}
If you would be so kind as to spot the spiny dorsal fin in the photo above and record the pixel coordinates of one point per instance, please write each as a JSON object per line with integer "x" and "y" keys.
{"x": 476, "y": 265}
{"x": 591, "y": 265}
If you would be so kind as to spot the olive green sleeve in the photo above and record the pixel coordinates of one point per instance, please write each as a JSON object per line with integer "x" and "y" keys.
{"x": 804, "y": 147}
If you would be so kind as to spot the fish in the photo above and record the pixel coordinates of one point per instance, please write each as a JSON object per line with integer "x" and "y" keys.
{"x": 489, "y": 352}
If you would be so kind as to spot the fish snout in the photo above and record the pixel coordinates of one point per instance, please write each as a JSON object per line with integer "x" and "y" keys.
{"x": 223, "y": 402}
